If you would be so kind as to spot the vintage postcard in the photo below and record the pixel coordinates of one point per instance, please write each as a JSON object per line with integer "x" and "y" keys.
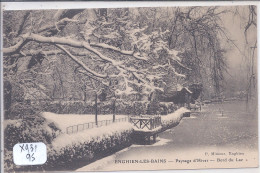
{"x": 140, "y": 88}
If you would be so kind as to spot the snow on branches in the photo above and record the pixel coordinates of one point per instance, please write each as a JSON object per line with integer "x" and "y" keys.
{"x": 106, "y": 48}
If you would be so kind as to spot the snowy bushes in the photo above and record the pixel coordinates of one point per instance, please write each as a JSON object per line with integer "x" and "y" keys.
{"x": 29, "y": 129}
{"x": 32, "y": 129}
{"x": 123, "y": 107}
{"x": 145, "y": 108}
{"x": 174, "y": 118}
{"x": 67, "y": 150}
{"x": 167, "y": 108}
{"x": 131, "y": 108}
{"x": 68, "y": 107}
{"x": 161, "y": 108}
{"x": 19, "y": 110}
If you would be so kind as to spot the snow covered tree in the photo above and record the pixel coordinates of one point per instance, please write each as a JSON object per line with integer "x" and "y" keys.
{"x": 130, "y": 52}
{"x": 106, "y": 47}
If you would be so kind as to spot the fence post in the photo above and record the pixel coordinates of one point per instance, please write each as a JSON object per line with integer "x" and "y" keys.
{"x": 114, "y": 110}
{"x": 96, "y": 109}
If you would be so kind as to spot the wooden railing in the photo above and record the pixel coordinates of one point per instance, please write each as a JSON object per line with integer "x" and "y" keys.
{"x": 146, "y": 123}
{"x": 81, "y": 127}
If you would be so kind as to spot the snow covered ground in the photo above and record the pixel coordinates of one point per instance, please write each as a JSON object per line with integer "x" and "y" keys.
{"x": 82, "y": 137}
{"x": 62, "y": 121}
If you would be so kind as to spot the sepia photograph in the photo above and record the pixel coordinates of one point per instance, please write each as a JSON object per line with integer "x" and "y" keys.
{"x": 129, "y": 89}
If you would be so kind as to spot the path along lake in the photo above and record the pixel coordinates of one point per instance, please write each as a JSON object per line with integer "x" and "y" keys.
{"x": 218, "y": 132}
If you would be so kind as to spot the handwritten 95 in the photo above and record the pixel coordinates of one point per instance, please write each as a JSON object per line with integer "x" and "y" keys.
{"x": 30, "y": 153}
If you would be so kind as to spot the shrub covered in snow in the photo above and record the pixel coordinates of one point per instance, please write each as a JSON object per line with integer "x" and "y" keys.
{"x": 167, "y": 107}
{"x": 30, "y": 129}
{"x": 66, "y": 150}
{"x": 145, "y": 108}
{"x": 68, "y": 107}
{"x": 88, "y": 145}
{"x": 131, "y": 108}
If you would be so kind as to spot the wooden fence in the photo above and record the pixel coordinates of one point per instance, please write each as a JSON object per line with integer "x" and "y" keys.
{"x": 146, "y": 123}
{"x": 81, "y": 127}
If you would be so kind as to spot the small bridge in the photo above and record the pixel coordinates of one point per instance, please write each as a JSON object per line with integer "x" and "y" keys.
{"x": 146, "y": 127}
